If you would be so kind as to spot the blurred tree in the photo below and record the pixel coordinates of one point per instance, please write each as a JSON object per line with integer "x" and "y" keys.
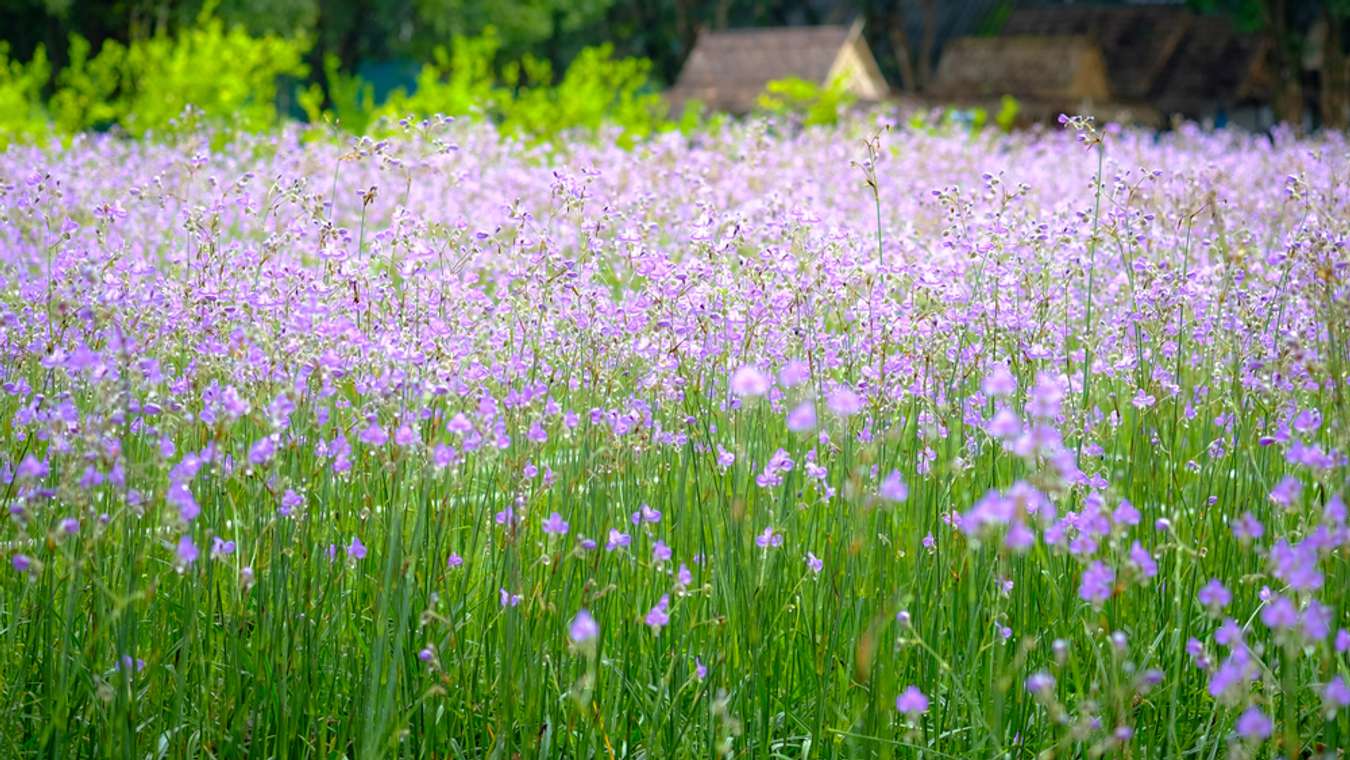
{"x": 1288, "y": 24}
{"x": 1334, "y": 103}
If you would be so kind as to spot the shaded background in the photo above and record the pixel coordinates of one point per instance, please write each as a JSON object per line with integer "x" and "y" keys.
{"x": 385, "y": 40}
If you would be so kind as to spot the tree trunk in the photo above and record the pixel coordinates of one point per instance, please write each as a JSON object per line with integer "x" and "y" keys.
{"x": 899, "y": 37}
{"x": 1288, "y": 103}
{"x": 1335, "y": 95}
{"x": 930, "y": 24}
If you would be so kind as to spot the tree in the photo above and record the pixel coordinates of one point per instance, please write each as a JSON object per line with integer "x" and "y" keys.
{"x": 894, "y": 18}
{"x": 1288, "y": 24}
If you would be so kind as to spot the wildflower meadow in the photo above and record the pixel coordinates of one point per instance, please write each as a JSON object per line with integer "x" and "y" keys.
{"x": 860, "y": 440}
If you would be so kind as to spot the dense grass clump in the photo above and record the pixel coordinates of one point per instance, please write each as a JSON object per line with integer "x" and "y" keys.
{"x": 827, "y": 443}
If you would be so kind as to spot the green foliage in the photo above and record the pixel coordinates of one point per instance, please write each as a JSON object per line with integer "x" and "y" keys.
{"x": 21, "y": 113}
{"x": 811, "y": 102}
{"x": 596, "y": 90}
{"x": 1006, "y": 118}
{"x": 87, "y": 89}
{"x": 457, "y": 82}
{"x": 228, "y": 76}
{"x": 353, "y": 100}
{"x": 518, "y": 26}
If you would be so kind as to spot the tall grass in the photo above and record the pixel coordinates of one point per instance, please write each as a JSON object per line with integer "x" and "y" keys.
{"x": 278, "y": 488}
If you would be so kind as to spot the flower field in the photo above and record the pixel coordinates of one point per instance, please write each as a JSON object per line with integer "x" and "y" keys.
{"x": 837, "y": 442}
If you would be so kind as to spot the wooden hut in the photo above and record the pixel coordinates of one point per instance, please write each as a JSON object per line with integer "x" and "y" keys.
{"x": 1047, "y": 74}
{"x": 1136, "y": 42}
{"x": 1163, "y": 61}
{"x": 728, "y": 70}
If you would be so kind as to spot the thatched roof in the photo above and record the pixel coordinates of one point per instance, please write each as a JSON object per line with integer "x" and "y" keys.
{"x": 1064, "y": 70}
{"x": 728, "y": 70}
{"x": 1136, "y": 41}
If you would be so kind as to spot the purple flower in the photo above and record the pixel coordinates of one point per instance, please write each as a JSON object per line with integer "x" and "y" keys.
{"x": 262, "y": 451}
{"x": 1229, "y": 633}
{"x": 1097, "y": 583}
{"x": 459, "y": 424}
{"x": 911, "y": 702}
{"x": 373, "y": 435}
{"x": 1227, "y": 681}
{"x": 794, "y": 373}
{"x": 683, "y": 577}
{"x": 454, "y": 561}
{"x": 1287, "y": 491}
{"x": 289, "y": 502}
{"x": 555, "y": 525}
{"x": 1254, "y": 724}
{"x": 1297, "y": 564}
{"x": 1019, "y": 537}
{"x": 816, "y": 564}
{"x": 802, "y": 418}
{"x": 1337, "y": 693}
{"x": 31, "y": 468}
{"x": 646, "y": 514}
{"x": 843, "y": 402}
{"x": 1143, "y": 561}
{"x": 125, "y": 663}
{"x": 583, "y": 628}
{"x": 70, "y": 526}
{"x": 724, "y": 458}
{"x": 1005, "y": 424}
{"x": 1316, "y": 621}
{"x": 999, "y": 381}
{"x": 180, "y": 496}
{"x": 507, "y": 599}
{"x": 22, "y": 563}
{"x": 1214, "y": 596}
{"x": 893, "y": 488}
{"x": 700, "y": 670}
{"x": 442, "y": 456}
{"x": 221, "y": 548}
{"x": 617, "y": 540}
{"x": 1125, "y": 514}
{"x": 1046, "y": 396}
{"x": 1279, "y": 614}
{"x": 356, "y": 549}
{"x": 659, "y": 616}
{"x": 661, "y": 552}
{"x": 769, "y": 538}
{"x": 1247, "y": 528}
{"x": 186, "y": 551}
{"x": 537, "y": 434}
{"x": 1040, "y": 683}
{"x": 749, "y": 381}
